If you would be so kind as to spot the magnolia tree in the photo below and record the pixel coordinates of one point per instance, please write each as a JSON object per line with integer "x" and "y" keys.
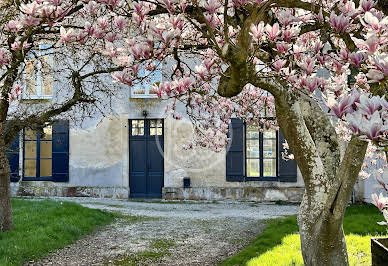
{"x": 35, "y": 55}
{"x": 317, "y": 69}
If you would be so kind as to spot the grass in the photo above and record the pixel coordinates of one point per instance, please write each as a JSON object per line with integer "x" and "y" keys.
{"x": 159, "y": 248}
{"x": 279, "y": 243}
{"x": 41, "y": 226}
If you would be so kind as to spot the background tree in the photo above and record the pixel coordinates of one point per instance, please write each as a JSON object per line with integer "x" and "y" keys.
{"x": 33, "y": 50}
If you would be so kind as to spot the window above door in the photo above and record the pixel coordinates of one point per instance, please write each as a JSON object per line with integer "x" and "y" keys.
{"x": 145, "y": 88}
{"x": 38, "y": 75}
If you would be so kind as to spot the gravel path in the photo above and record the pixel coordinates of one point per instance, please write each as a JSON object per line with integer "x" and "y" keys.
{"x": 167, "y": 233}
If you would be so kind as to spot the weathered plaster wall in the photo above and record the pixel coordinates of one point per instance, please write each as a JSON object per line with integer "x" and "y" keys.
{"x": 207, "y": 172}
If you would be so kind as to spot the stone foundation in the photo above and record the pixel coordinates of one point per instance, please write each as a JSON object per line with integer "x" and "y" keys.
{"x": 260, "y": 194}
{"x": 49, "y": 189}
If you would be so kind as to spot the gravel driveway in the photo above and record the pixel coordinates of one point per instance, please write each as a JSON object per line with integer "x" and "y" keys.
{"x": 167, "y": 233}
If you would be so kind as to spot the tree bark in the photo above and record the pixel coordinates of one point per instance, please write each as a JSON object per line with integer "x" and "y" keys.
{"x": 328, "y": 179}
{"x": 322, "y": 238}
{"x": 6, "y": 221}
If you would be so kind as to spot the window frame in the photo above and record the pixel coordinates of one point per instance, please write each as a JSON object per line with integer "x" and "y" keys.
{"x": 44, "y": 49}
{"x": 147, "y": 87}
{"x": 261, "y": 157}
{"x": 38, "y": 159}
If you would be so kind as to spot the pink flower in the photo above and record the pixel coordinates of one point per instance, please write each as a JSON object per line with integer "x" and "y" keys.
{"x": 308, "y": 65}
{"x": 379, "y": 201}
{"x": 212, "y": 6}
{"x": 30, "y": 9}
{"x": 339, "y": 23}
{"x": 373, "y": 127}
{"x": 272, "y": 31}
{"x": 375, "y": 75}
{"x": 4, "y": 56}
{"x": 257, "y": 30}
{"x": 66, "y": 36}
{"x": 354, "y": 120}
{"x": 120, "y": 23}
{"x": 372, "y": 21}
{"x": 279, "y": 64}
{"x": 356, "y": 58}
{"x": 123, "y": 77}
{"x": 341, "y": 106}
{"x": 282, "y": 47}
{"x": 369, "y": 106}
{"x": 14, "y": 25}
{"x": 371, "y": 44}
{"x": 367, "y": 5}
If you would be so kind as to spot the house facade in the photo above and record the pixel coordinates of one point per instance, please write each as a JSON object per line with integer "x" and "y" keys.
{"x": 135, "y": 151}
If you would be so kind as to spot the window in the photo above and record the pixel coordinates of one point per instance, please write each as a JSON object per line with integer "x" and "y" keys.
{"x": 137, "y": 127}
{"x": 156, "y": 128}
{"x": 144, "y": 89}
{"x": 38, "y": 153}
{"x": 38, "y": 77}
{"x": 254, "y": 154}
{"x": 261, "y": 150}
{"x": 148, "y": 127}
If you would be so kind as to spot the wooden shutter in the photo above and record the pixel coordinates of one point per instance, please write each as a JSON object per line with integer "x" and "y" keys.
{"x": 13, "y": 159}
{"x": 287, "y": 169}
{"x": 235, "y": 163}
{"x": 60, "y": 161}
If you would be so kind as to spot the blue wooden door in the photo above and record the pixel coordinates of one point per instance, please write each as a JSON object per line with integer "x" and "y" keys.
{"x": 146, "y": 164}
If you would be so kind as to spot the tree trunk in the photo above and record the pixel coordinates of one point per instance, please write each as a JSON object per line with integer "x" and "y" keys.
{"x": 6, "y": 221}
{"x": 322, "y": 237}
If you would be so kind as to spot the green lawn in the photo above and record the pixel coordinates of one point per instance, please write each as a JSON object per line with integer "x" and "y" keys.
{"x": 279, "y": 244}
{"x": 41, "y": 226}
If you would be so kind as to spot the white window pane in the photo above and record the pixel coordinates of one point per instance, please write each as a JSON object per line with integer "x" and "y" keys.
{"x": 31, "y": 77}
{"x": 269, "y": 166}
{"x": 269, "y": 149}
{"x": 152, "y": 131}
{"x": 46, "y": 76}
{"x": 253, "y": 167}
{"x": 160, "y": 132}
{"x": 269, "y": 133}
{"x": 253, "y": 148}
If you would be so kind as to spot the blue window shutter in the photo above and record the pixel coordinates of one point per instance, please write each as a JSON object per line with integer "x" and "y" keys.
{"x": 60, "y": 161}
{"x": 287, "y": 169}
{"x": 235, "y": 164}
{"x": 13, "y": 159}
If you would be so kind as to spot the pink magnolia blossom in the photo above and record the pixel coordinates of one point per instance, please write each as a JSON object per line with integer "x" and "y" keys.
{"x": 367, "y": 5}
{"x": 340, "y": 22}
{"x": 212, "y": 6}
{"x": 356, "y": 58}
{"x": 257, "y": 31}
{"x": 282, "y": 47}
{"x": 66, "y": 35}
{"x": 279, "y": 64}
{"x": 369, "y": 106}
{"x": 4, "y": 56}
{"x": 380, "y": 201}
{"x": 373, "y": 127}
{"x": 123, "y": 77}
{"x": 272, "y": 31}
{"x": 341, "y": 106}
